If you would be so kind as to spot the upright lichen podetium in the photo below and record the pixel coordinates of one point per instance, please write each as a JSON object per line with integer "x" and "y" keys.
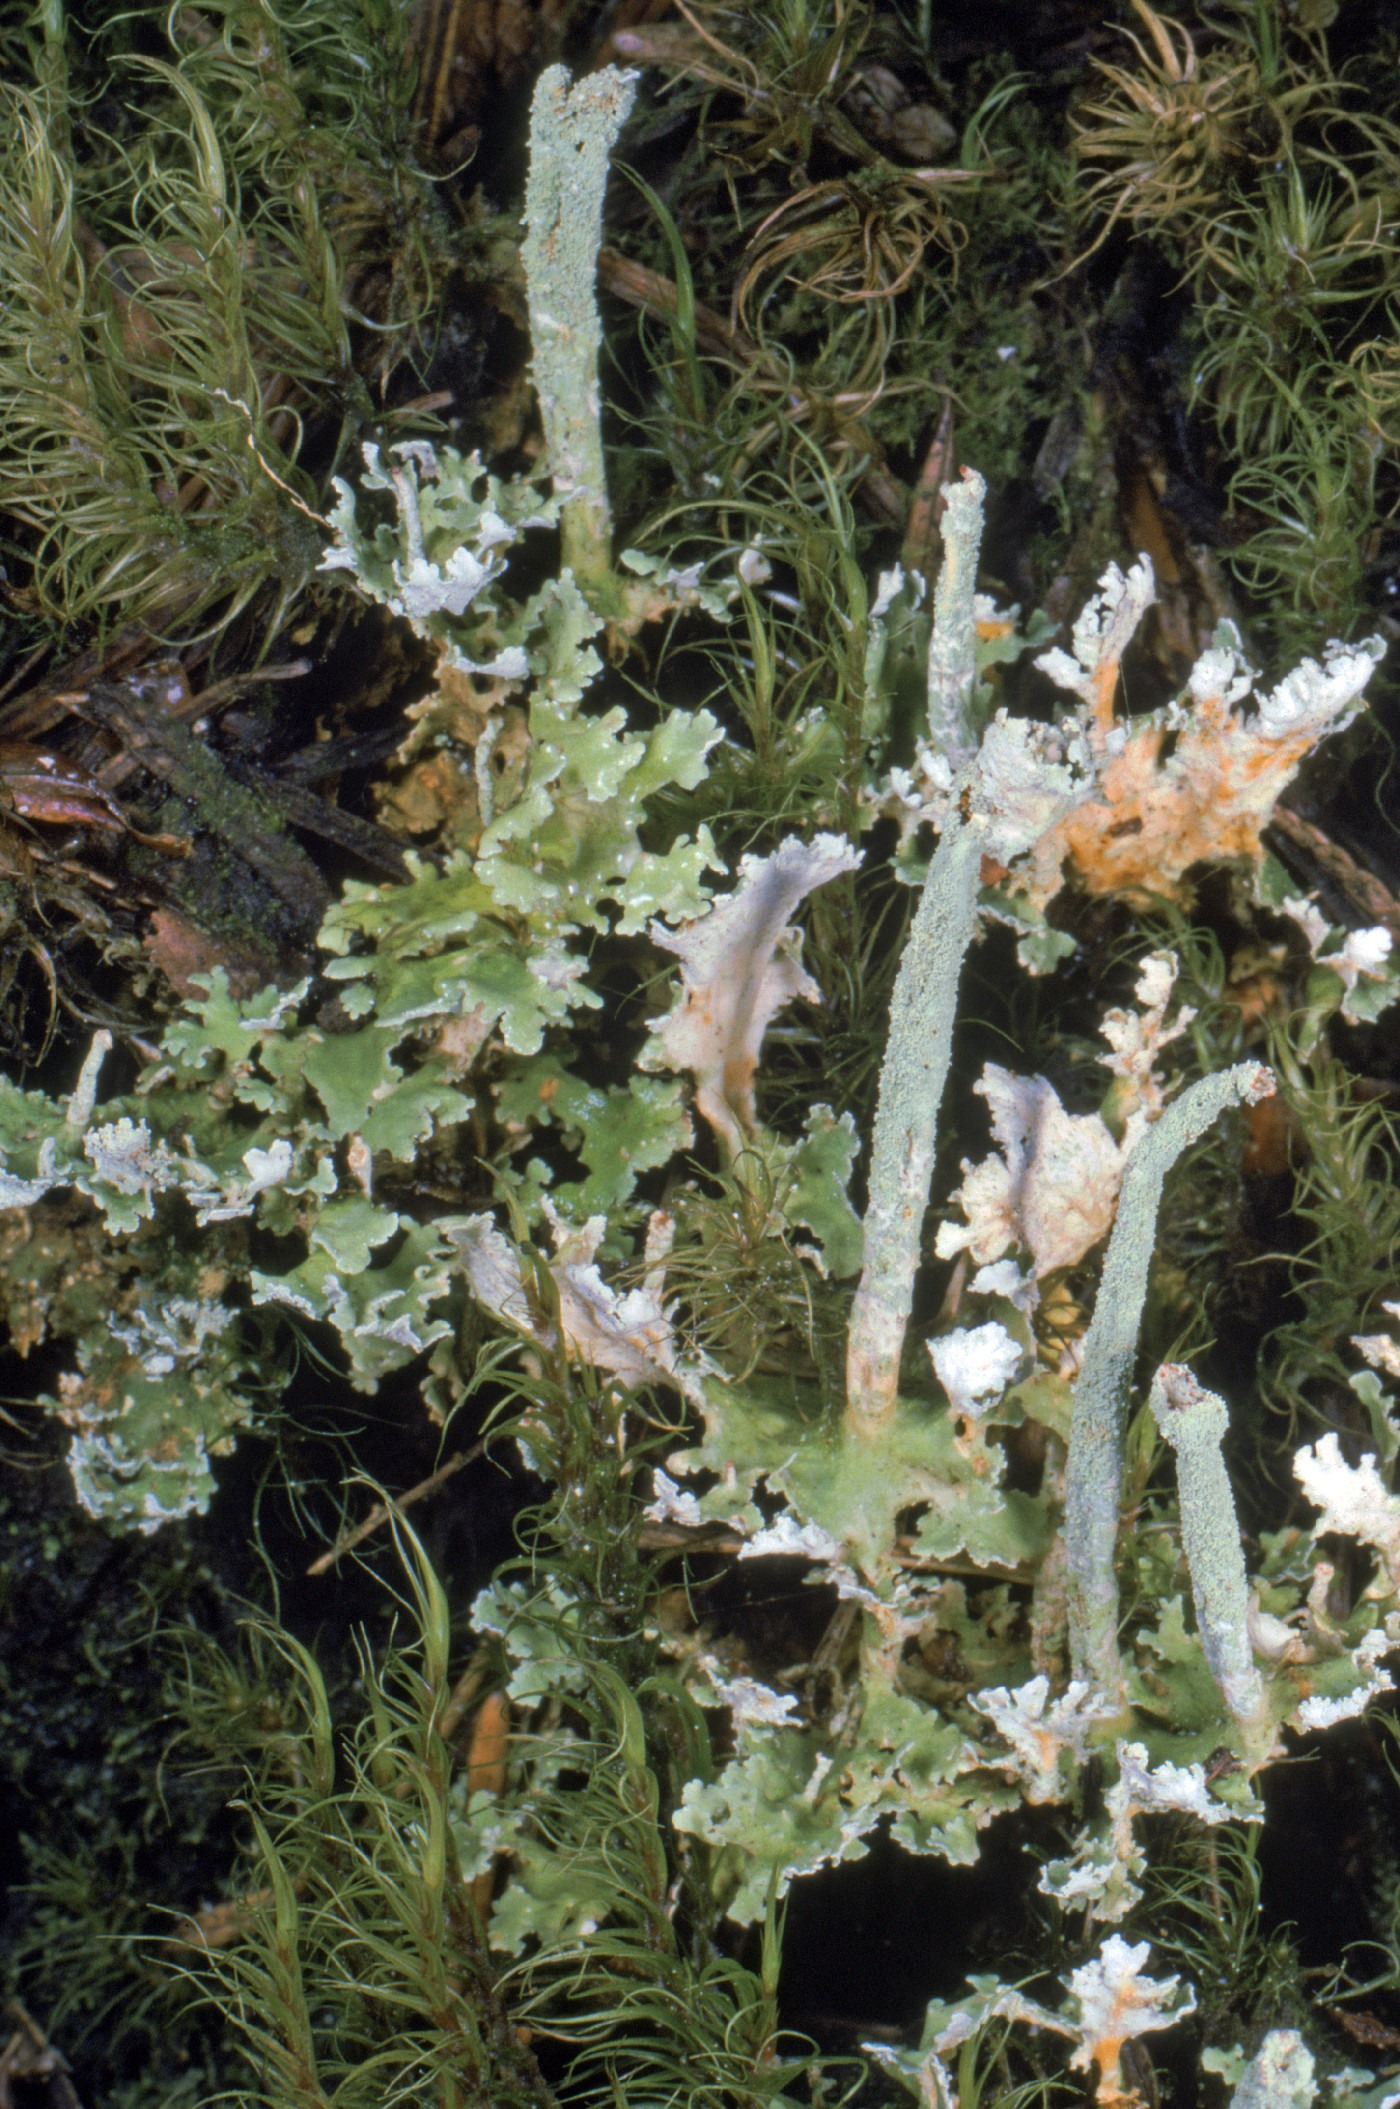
{"x": 572, "y": 131}
{"x": 1195, "y": 1423}
{"x": 1094, "y": 1474}
{"x": 952, "y": 644}
{"x": 919, "y": 1046}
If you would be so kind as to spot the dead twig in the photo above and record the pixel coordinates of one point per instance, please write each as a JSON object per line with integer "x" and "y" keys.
{"x": 381, "y": 1512}
{"x": 29, "y": 2056}
{"x": 1361, "y": 887}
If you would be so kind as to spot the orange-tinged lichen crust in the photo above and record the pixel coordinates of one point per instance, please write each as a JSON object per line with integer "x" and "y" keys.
{"x": 1207, "y": 799}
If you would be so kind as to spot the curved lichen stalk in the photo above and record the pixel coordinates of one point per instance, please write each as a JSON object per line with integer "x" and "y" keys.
{"x": 1195, "y": 1423}
{"x": 1094, "y": 1475}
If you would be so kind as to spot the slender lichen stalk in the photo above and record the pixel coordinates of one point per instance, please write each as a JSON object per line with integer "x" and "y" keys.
{"x": 572, "y": 132}
{"x": 952, "y": 645}
{"x": 919, "y": 1046}
{"x": 906, "y": 1125}
{"x": 1195, "y": 1422}
{"x": 1094, "y": 1475}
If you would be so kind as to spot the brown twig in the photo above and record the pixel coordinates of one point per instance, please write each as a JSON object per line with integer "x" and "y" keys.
{"x": 1361, "y": 887}
{"x": 922, "y": 541}
{"x": 383, "y": 1510}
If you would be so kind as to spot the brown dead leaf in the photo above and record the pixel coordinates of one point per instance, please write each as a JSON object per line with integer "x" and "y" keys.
{"x": 219, "y": 1925}
{"x": 1183, "y": 620}
{"x": 467, "y": 713}
{"x": 1367, "y": 2029}
{"x": 922, "y": 541}
{"x": 457, "y": 1042}
{"x": 1276, "y": 1143}
{"x": 181, "y": 950}
{"x": 461, "y": 708}
{"x": 434, "y": 793}
{"x": 486, "y": 1773}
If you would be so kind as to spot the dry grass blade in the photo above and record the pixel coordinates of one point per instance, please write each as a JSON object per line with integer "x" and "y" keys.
{"x": 868, "y": 245}
{"x": 1171, "y": 130}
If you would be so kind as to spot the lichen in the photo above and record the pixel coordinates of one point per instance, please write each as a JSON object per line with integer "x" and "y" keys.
{"x": 572, "y": 134}
{"x": 1094, "y": 1477}
{"x": 1195, "y": 1422}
